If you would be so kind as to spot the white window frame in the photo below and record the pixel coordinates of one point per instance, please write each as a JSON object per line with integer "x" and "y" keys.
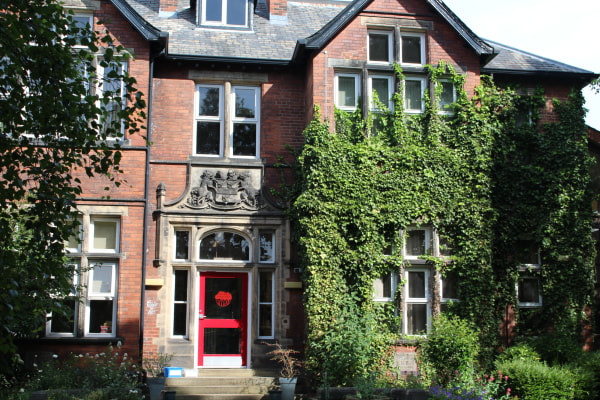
{"x": 423, "y": 82}
{"x": 417, "y": 300}
{"x": 223, "y": 21}
{"x": 205, "y": 118}
{"x": 74, "y": 295}
{"x": 93, "y": 220}
{"x": 357, "y": 85}
{"x": 186, "y": 303}
{"x": 87, "y": 15}
{"x": 447, "y": 111}
{"x": 443, "y": 298}
{"x": 428, "y": 242}
{"x": 389, "y": 103}
{"x": 245, "y": 120}
{"x": 274, "y": 243}
{"x": 421, "y": 36}
{"x": 91, "y": 296}
{"x": 271, "y": 303}
{"x": 390, "y": 37}
{"x": 189, "y": 244}
{"x": 393, "y": 285}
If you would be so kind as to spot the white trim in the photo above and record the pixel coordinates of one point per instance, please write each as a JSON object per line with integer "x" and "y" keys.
{"x": 421, "y": 36}
{"x": 526, "y": 304}
{"x": 393, "y": 285}
{"x": 93, "y": 220}
{"x": 220, "y": 118}
{"x": 223, "y": 21}
{"x": 356, "y": 78}
{"x": 388, "y": 102}
{"x": 271, "y": 303}
{"x": 428, "y": 242}
{"x": 102, "y": 296}
{"x": 416, "y": 300}
{"x": 245, "y": 120}
{"x": 390, "y": 45}
{"x": 423, "y": 81}
{"x": 186, "y": 302}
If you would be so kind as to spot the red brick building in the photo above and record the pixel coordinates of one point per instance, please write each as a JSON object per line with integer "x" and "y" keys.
{"x": 193, "y": 255}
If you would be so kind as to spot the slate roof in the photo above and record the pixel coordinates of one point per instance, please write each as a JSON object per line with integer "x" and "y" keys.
{"x": 310, "y": 25}
{"x": 514, "y": 61}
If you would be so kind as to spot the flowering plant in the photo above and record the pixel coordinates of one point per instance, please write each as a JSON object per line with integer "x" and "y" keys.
{"x": 487, "y": 387}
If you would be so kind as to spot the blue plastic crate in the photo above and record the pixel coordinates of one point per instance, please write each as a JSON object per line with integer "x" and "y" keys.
{"x": 173, "y": 372}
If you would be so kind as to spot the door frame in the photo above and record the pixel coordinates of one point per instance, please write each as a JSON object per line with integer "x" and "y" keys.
{"x": 249, "y": 324}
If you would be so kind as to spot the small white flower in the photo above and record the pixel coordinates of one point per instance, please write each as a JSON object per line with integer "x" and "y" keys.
{"x": 54, "y": 355}
{"x": 22, "y": 390}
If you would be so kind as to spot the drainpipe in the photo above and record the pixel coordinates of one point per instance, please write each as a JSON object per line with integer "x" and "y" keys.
{"x": 146, "y": 204}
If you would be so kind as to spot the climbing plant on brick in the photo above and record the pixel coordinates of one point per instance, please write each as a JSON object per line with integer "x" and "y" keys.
{"x": 358, "y": 187}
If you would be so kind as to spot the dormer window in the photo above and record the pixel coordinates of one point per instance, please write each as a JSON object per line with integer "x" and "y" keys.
{"x": 413, "y": 49}
{"x": 232, "y": 13}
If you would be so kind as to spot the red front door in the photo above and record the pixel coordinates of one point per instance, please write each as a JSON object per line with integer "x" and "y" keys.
{"x": 222, "y": 326}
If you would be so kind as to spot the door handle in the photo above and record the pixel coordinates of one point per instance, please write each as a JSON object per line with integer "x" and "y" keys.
{"x": 201, "y": 316}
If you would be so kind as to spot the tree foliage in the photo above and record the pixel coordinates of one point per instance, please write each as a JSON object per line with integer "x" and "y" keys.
{"x": 59, "y": 119}
{"x": 481, "y": 178}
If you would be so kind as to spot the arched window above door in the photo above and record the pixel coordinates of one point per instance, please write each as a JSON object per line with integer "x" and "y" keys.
{"x": 224, "y": 245}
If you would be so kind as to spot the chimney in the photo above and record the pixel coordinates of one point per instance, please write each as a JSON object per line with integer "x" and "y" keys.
{"x": 278, "y": 11}
{"x": 167, "y": 8}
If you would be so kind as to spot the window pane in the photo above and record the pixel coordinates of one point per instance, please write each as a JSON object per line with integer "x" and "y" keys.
{"x": 223, "y": 298}
{"x": 179, "y": 319}
{"x": 412, "y": 95}
{"x": 181, "y": 285}
{"x": 449, "y": 286}
{"x": 112, "y": 82}
{"x": 182, "y": 240}
{"x": 266, "y": 320}
{"x": 381, "y": 87}
{"x": 101, "y": 312}
{"x": 214, "y": 9}
{"x": 383, "y": 286}
{"x": 208, "y": 101}
{"x": 236, "y": 12}
{"x": 208, "y": 137}
{"x": 105, "y": 235}
{"x": 226, "y": 245}
{"x": 267, "y": 253}
{"x": 244, "y": 139}
{"x": 447, "y": 96}
{"x": 245, "y": 103}
{"x": 379, "y": 47}
{"x": 411, "y": 49}
{"x": 416, "y": 284}
{"x": 529, "y": 291}
{"x": 415, "y": 242}
{"x": 266, "y": 287}
{"x": 416, "y": 318}
{"x": 222, "y": 340}
{"x": 64, "y": 322}
{"x": 346, "y": 91}
{"x": 102, "y": 279}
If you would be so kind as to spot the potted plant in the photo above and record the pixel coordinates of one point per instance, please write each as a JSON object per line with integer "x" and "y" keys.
{"x": 289, "y": 369}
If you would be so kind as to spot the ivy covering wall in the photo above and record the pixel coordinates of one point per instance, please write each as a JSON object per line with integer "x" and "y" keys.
{"x": 483, "y": 178}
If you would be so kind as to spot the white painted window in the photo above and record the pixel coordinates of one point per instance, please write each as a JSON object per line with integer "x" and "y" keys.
{"x": 383, "y": 87}
{"x": 104, "y": 234}
{"x": 380, "y": 46}
{"x": 412, "y": 49}
{"x": 529, "y": 292}
{"x": 245, "y": 138}
{"x": 347, "y": 91}
{"x": 209, "y": 116}
{"x": 65, "y": 324}
{"x": 181, "y": 249}
{"x": 266, "y": 296}
{"x": 385, "y": 288}
{"x": 101, "y": 304}
{"x": 418, "y": 242}
{"x": 232, "y": 13}
{"x": 414, "y": 88}
{"x": 417, "y": 310}
{"x": 180, "y": 310}
{"x": 447, "y": 97}
{"x": 266, "y": 247}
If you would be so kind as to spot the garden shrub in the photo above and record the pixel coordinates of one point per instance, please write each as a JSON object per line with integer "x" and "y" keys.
{"x": 450, "y": 351}
{"x": 557, "y": 349}
{"x": 535, "y": 380}
{"x": 356, "y": 352}
{"x": 590, "y": 363}
{"x": 521, "y": 351}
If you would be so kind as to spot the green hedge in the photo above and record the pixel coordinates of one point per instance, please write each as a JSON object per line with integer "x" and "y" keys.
{"x": 535, "y": 380}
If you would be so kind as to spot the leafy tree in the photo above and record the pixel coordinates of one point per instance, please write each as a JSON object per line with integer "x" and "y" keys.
{"x": 59, "y": 119}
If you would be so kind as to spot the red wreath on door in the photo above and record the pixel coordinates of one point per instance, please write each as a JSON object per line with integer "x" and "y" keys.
{"x": 223, "y": 299}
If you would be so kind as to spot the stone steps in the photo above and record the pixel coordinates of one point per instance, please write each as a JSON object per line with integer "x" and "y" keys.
{"x": 222, "y": 384}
